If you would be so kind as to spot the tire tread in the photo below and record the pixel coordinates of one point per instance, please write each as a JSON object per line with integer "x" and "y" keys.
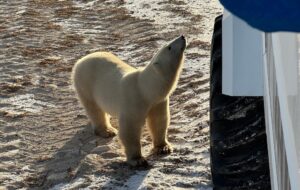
{"x": 239, "y": 156}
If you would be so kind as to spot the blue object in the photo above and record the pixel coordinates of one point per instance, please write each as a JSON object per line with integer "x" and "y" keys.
{"x": 267, "y": 15}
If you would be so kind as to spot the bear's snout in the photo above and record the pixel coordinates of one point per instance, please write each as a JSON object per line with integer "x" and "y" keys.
{"x": 178, "y": 44}
{"x": 184, "y": 42}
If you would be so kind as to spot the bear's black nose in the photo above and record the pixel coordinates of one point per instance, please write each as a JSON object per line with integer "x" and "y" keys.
{"x": 182, "y": 37}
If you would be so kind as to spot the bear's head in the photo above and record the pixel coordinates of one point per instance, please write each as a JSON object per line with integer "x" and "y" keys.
{"x": 159, "y": 78}
{"x": 168, "y": 60}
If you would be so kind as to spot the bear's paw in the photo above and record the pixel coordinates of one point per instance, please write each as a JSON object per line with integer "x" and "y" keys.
{"x": 106, "y": 133}
{"x": 162, "y": 150}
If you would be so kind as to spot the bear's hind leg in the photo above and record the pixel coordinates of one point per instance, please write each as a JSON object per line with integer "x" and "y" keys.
{"x": 158, "y": 120}
{"x": 99, "y": 119}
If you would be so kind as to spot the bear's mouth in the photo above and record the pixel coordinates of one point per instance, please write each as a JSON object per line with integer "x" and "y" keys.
{"x": 183, "y": 47}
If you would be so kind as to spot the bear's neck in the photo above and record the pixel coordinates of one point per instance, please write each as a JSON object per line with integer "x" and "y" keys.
{"x": 156, "y": 87}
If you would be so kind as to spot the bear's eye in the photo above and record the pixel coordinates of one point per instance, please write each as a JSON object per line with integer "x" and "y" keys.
{"x": 169, "y": 48}
{"x": 156, "y": 63}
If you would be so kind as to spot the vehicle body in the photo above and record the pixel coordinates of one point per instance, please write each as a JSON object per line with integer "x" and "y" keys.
{"x": 267, "y": 65}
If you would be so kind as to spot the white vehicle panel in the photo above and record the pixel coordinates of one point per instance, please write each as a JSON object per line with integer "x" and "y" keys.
{"x": 286, "y": 59}
{"x": 242, "y": 53}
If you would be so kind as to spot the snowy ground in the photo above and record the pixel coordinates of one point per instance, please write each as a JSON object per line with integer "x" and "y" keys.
{"x": 45, "y": 140}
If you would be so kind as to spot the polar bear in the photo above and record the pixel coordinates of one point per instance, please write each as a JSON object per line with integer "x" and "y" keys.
{"x": 108, "y": 86}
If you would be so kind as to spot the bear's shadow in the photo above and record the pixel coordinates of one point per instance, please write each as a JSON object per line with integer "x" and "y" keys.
{"x": 69, "y": 163}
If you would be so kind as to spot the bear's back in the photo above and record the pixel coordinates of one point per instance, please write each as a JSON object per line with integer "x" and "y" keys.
{"x": 97, "y": 76}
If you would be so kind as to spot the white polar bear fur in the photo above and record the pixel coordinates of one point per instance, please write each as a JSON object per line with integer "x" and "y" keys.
{"x": 108, "y": 86}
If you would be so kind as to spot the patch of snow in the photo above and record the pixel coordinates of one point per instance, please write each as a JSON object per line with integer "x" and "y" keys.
{"x": 23, "y": 103}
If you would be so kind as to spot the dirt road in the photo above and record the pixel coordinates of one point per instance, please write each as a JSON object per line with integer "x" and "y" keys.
{"x": 45, "y": 140}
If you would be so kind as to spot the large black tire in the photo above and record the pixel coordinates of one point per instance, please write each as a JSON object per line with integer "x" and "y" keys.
{"x": 238, "y": 145}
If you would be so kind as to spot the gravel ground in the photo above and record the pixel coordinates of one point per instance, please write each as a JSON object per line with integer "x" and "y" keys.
{"x": 45, "y": 139}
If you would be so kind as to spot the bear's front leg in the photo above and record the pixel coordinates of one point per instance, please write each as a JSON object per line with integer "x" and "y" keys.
{"x": 158, "y": 120}
{"x": 130, "y": 134}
